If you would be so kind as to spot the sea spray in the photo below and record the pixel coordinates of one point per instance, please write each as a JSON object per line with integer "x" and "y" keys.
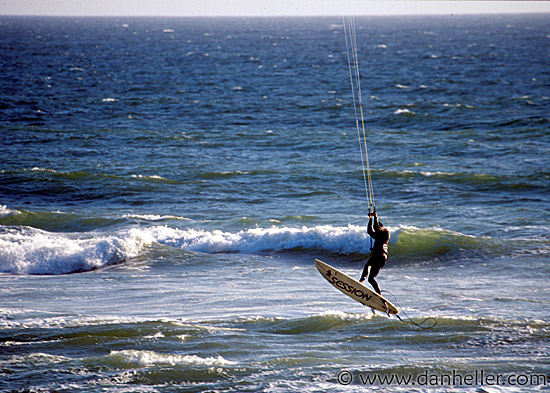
{"x": 25, "y": 250}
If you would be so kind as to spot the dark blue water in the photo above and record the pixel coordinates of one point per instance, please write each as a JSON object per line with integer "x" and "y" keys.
{"x": 191, "y": 169}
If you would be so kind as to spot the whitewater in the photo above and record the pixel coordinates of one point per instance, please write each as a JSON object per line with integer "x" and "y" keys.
{"x": 28, "y": 250}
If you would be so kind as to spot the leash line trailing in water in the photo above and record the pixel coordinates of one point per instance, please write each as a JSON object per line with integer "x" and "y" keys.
{"x": 421, "y": 324}
{"x": 355, "y": 81}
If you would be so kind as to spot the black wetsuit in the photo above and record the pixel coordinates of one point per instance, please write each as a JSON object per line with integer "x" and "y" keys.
{"x": 379, "y": 254}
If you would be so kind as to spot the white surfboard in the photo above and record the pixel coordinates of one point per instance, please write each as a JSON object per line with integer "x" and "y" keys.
{"x": 354, "y": 289}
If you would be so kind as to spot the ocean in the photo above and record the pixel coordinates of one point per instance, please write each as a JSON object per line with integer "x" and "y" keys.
{"x": 166, "y": 184}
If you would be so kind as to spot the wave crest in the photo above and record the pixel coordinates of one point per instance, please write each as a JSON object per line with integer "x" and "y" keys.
{"x": 405, "y": 242}
{"x": 340, "y": 240}
{"x": 150, "y": 358}
{"x": 25, "y": 250}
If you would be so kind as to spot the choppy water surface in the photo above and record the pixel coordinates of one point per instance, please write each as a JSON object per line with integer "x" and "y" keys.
{"x": 188, "y": 171}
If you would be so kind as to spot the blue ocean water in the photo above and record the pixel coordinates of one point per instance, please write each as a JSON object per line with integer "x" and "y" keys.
{"x": 165, "y": 184}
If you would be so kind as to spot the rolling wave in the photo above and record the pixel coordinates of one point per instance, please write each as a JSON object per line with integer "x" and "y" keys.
{"x": 54, "y": 221}
{"x": 483, "y": 181}
{"x": 27, "y": 250}
{"x": 73, "y": 222}
{"x": 405, "y": 242}
{"x": 111, "y": 329}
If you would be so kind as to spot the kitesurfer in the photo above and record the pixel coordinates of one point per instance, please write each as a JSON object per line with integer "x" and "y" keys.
{"x": 379, "y": 253}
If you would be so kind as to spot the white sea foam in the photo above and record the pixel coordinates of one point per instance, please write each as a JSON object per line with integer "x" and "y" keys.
{"x": 154, "y": 177}
{"x": 343, "y": 240}
{"x": 33, "y": 251}
{"x": 436, "y": 173}
{"x": 4, "y": 211}
{"x": 26, "y": 250}
{"x": 344, "y": 316}
{"x": 403, "y": 112}
{"x": 153, "y": 217}
{"x": 38, "y": 169}
{"x": 39, "y": 359}
{"x": 150, "y": 358}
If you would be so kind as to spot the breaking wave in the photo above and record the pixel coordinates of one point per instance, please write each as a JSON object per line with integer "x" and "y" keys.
{"x": 340, "y": 240}
{"x": 405, "y": 241}
{"x": 150, "y": 358}
{"x": 28, "y": 250}
{"x": 25, "y": 250}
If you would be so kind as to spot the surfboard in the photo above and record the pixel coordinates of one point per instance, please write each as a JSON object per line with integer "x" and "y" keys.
{"x": 354, "y": 289}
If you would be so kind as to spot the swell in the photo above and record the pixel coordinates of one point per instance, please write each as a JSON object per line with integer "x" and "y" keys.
{"x": 41, "y": 174}
{"x": 59, "y": 221}
{"x": 75, "y": 332}
{"x": 480, "y": 181}
{"x": 55, "y": 221}
{"x": 40, "y": 184}
{"x": 28, "y": 250}
{"x": 406, "y": 243}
